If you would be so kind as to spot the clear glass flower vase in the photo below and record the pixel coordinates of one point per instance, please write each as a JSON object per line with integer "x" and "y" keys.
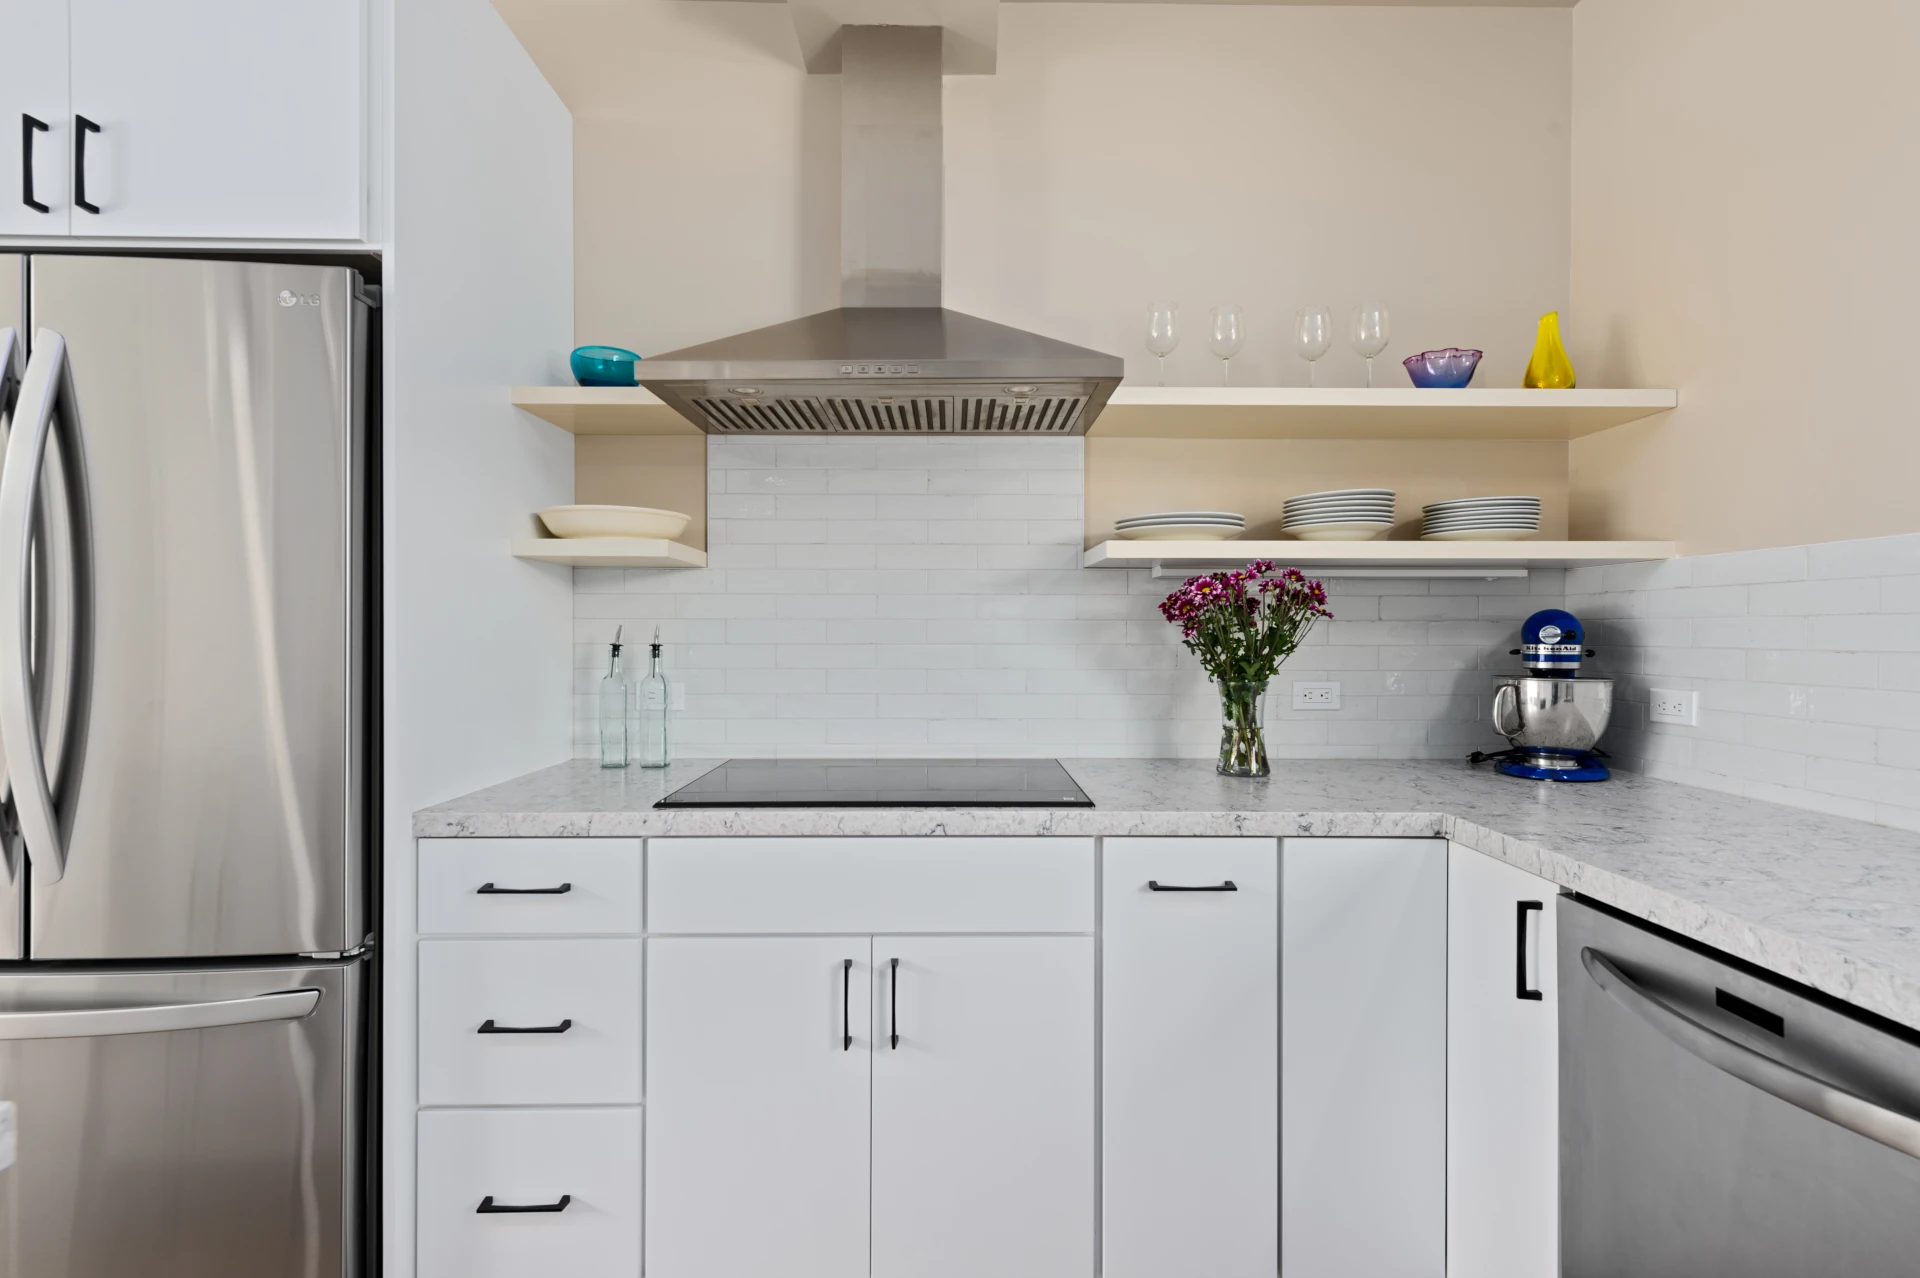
{"x": 1243, "y": 746}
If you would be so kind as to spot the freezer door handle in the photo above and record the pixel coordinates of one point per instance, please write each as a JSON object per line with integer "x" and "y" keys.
{"x": 46, "y": 402}
{"x": 1776, "y": 1078}
{"x": 98, "y": 1022}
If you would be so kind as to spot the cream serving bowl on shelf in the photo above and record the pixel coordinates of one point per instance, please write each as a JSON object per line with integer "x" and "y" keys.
{"x": 614, "y": 521}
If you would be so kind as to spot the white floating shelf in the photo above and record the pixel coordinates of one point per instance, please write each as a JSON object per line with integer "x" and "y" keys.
{"x": 602, "y": 410}
{"x": 1375, "y": 558}
{"x": 1298, "y": 412}
{"x": 609, "y": 552}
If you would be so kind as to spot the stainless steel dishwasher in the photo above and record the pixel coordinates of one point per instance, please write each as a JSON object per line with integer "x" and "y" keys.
{"x": 1716, "y": 1124}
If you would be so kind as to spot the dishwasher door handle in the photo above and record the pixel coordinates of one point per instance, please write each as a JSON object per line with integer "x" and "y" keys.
{"x": 1782, "y": 1081}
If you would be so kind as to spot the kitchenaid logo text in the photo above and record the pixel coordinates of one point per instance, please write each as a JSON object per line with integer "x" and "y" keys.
{"x": 290, "y": 298}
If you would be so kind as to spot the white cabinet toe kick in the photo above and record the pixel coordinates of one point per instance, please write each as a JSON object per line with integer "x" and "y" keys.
{"x": 946, "y": 1057}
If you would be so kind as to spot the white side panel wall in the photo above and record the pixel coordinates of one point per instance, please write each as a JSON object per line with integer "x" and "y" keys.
{"x": 479, "y": 297}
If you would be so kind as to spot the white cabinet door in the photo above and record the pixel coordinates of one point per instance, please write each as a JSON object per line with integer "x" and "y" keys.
{"x": 1503, "y": 1071}
{"x": 758, "y": 1106}
{"x": 220, "y": 118}
{"x": 33, "y": 92}
{"x": 1363, "y": 1041}
{"x": 1190, "y": 1094}
{"x": 504, "y": 1193}
{"x": 983, "y": 1113}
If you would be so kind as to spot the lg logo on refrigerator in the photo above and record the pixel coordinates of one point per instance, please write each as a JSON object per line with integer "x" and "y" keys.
{"x": 290, "y": 298}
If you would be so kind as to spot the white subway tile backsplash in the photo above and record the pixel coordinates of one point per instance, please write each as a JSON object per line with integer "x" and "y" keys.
{"x": 1806, "y": 659}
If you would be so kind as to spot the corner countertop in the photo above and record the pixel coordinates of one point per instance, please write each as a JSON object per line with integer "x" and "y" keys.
{"x": 1829, "y": 902}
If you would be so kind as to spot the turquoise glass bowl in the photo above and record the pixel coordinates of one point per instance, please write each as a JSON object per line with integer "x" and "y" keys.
{"x": 604, "y": 366}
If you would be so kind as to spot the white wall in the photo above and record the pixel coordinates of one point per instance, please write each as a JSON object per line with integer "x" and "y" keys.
{"x": 1271, "y": 155}
{"x": 1806, "y": 660}
{"x": 479, "y": 296}
{"x": 923, "y": 597}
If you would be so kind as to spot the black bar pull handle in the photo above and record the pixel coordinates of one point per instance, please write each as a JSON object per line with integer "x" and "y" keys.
{"x": 893, "y": 1006}
{"x": 488, "y": 1027}
{"x": 1227, "y": 885}
{"x": 1521, "y": 987}
{"x": 489, "y": 889}
{"x": 81, "y": 127}
{"x": 846, "y": 1005}
{"x": 28, "y": 127}
{"x": 488, "y": 1207}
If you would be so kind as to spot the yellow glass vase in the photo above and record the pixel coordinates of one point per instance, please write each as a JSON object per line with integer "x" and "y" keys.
{"x": 1549, "y": 369}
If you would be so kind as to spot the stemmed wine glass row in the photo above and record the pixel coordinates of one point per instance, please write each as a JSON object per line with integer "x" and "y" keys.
{"x": 1369, "y": 331}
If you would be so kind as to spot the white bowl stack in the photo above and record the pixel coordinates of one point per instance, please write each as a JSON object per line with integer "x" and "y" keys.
{"x": 1482, "y": 519}
{"x": 1345, "y": 514}
{"x": 1182, "y": 525}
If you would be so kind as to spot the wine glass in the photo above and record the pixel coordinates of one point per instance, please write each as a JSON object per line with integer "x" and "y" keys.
{"x": 1370, "y": 332}
{"x": 1228, "y": 335}
{"x": 1163, "y": 332}
{"x": 1312, "y": 335}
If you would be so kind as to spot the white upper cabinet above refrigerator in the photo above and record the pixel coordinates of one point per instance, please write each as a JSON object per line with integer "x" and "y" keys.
{"x": 35, "y": 144}
{"x": 200, "y": 119}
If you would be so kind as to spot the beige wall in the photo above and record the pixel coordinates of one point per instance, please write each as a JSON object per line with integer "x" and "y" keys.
{"x": 1267, "y": 155}
{"x": 1747, "y": 228}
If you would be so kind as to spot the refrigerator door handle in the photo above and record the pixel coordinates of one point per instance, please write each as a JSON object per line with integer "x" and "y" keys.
{"x": 46, "y": 397}
{"x": 13, "y": 359}
{"x": 98, "y": 1022}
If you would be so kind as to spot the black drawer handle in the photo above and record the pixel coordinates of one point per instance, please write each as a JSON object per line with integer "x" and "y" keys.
{"x": 28, "y": 127}
{"x": 489, "y": 889}
{"x": 81, "y": 127}
{"x": 1154, "y": 885}
{"x": 1521, "y": 988}
{"x": 488, "y": 1207}
{"x": 488, "y": 1027}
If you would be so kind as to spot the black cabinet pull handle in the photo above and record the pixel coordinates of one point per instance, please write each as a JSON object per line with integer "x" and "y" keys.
{"x": 1154, "y": 885}
{"x": 81, "y": 127}
{"x": 488, "y": 1207}
{"x": 488, "y": 889}
{"x": 488, "y": 1027}
{"x": 893, "y": 1006}
{"x": 846, "y": 1005}
{"x": 1520, "y": 987}
{"x": 28, "y": 127}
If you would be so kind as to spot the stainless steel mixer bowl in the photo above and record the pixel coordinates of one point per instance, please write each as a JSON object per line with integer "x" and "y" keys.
{"x": 1553, "y": 714}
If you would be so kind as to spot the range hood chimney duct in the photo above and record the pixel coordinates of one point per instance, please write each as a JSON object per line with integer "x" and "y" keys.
{"x": 891, "y": 190}
{"x": 890, "y": 360}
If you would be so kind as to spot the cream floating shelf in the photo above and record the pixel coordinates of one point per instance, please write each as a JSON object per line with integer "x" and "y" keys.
{"x": 602, "y": 410}
{"x": 609, "y": 552}
{"x": 1298, "y": 412}
{"x": 1216, "y": 412}
{"x": 1377, "y": 558}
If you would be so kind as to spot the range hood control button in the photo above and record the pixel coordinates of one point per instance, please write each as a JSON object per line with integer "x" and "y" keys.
{"x": 744, "y": 390}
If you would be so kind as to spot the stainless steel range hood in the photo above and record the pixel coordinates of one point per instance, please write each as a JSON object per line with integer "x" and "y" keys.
{"x": 890, "y": 359}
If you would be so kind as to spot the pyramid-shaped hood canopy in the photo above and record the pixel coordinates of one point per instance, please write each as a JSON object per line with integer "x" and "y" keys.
{"x": 891, "y": 359}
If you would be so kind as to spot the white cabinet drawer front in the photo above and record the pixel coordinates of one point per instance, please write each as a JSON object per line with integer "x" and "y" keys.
{"x": 553, "y": 886}
{"x": 529, "y": 1158}
{"x": 530, "y": 1022}
{"x": 869, "y": 885}
{"x": 1192, "y": 1057}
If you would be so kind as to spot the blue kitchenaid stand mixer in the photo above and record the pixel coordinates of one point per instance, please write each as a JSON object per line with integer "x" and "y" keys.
{"x": 1552, "y": 716}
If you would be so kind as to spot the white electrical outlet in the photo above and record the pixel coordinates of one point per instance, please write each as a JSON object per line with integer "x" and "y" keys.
{"x": 1316, "y": 696}
{"x": 1665, "y": 705}
{"x": 6, "y": 1135}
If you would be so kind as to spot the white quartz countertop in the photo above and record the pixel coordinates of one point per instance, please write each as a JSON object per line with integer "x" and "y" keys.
{"x": 1828, "y": 902}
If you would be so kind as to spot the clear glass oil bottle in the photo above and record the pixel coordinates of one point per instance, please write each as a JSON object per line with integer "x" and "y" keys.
{"x": 655, "y": 698}
{"x": 615, "y": 697}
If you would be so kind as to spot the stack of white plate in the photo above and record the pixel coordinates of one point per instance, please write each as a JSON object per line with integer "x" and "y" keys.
{"x": 1345, "y": 514}
{"x": 1182, "y": 525}
{"x": 1482, "y": 519}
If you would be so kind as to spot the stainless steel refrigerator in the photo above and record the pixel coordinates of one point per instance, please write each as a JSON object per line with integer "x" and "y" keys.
{"x": 184, "y": 904}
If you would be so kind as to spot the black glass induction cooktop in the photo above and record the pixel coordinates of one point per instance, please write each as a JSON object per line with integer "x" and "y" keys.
{"x": 882, "y": 783}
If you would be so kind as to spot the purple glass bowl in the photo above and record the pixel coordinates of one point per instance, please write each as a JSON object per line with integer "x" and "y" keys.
{"x": 1450, "y": 369}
